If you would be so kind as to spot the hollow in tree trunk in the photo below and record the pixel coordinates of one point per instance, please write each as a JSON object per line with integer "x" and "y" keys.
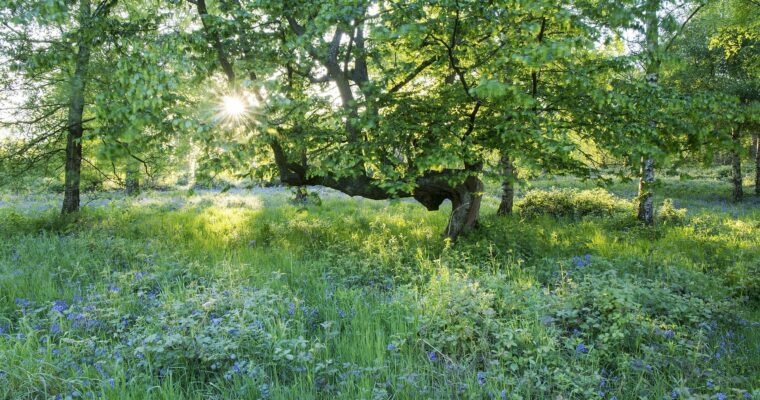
{"x": 736, "y": 166}
{"x": 73, "y": 166}
{"x": 646, "y": 198}
{"x": 508, "y": 186}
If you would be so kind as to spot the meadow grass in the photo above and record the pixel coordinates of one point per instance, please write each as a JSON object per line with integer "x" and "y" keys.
{"x": 244, "y": 295}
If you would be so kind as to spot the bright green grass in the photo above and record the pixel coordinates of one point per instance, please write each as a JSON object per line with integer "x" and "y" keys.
{"x": 246, "y": 296}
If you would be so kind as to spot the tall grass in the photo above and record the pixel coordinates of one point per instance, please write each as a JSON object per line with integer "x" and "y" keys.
{"x": 247, "y": 296}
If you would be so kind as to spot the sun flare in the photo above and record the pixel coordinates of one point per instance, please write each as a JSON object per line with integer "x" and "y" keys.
{"x": 233, "y": 106}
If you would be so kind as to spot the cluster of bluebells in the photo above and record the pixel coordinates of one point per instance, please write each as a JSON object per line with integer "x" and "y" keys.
{"x": 582, "y": 261}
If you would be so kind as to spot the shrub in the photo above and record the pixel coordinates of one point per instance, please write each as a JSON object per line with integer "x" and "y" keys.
{"x": 454, "y": 312}
{"x": 570, "y": 203}
{"x": 670, "y": 215}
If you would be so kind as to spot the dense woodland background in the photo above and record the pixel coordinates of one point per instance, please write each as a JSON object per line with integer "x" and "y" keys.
{"x": 229, "y": 199}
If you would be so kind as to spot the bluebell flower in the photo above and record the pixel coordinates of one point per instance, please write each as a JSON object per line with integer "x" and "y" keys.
{"x": 674, "y": 394}
{"x": 236, "y": 368}
{"x": 390, "y": 347}
{"x": 114, "y": 289}
{"x": 503, "y": 394}
{"x": 581, "y": 349}
{"x": 2, "y": 330}
{"x": 669, "y": 334}
{"x": 720, "y": 396}
{"x": 433, "y": 356}
{"x": 481, "y": 378}
{"x": 216, "y": 321}
{"x": 112, "y": 383}
{"x": 264, "y": 390}
{"x": 55, "y": 329}
{"x": 341, "y": 313}
{"x": 710, "y": 383}
{"x": 23, "y": 302}
{"x": 291, "y": 308}
{"x": 747, "y": 395}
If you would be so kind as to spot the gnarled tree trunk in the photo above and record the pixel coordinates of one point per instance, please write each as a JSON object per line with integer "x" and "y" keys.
{"x": 76, "y": 111}
{"x": 465, "y": 208}
{"x": 508, "y": 186}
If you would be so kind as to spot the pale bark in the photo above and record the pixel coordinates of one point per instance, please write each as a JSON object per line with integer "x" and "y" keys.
{"x": 757, "y": 164}
{"x": 646, "y": 197}
{"x": 646, "y": 180}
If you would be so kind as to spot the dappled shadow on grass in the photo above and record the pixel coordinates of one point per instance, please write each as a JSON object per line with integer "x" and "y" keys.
{"x": 232, "y": 296}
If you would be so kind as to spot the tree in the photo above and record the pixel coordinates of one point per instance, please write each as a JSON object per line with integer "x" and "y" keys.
{"x": 69, "y": 60}
{"x": 718, "y": 55}
{"x": 424, "y": 92}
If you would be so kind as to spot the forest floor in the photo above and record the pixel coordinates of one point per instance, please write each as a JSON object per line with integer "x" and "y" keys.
{"x": 245, "y": 295}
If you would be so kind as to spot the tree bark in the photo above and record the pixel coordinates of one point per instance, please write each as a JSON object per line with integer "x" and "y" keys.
{"x": 646, "y": 197}
{"x": 508, "y": 186}
{"x": 646, "y": 179}
{"x": 465, "y": 208}
{"x": 132, "y": 180}
{"x": 736, "y": 166}
{"x": 73, "y": 167}
{"x": 757, "y": 165}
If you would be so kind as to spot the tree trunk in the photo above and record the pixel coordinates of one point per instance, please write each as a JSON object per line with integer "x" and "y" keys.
{"x": 465, "y": 208}
{"x": 646, "y": 198}
{"x": 508, "y": 186}
{"x": 646, "y": 180}
{"x": 736, "y": 164}
{"x": 757, "y": 165}
{"x": 76, "y": 111}
{"x": 132, "y": 180}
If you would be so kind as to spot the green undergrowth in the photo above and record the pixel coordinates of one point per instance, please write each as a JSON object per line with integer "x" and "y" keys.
{"x": 249, "y": 296}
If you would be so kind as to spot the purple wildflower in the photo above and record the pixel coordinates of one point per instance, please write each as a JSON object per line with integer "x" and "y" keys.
{"x": 581, "y": 349}
{"x": 481, "y": 378}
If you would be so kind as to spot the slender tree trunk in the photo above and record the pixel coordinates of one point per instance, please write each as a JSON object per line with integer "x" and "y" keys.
{"x": 132, "y": 180}
{"x": 757, "y": 165}
{"x": 76, "y": 111}
{"x": 465, "y": 208}
{"x": 736, "y": 164}
{"x": 508, "y": 186}
{"x": 646, "y": 180}
{"x": 646, "y": 197}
